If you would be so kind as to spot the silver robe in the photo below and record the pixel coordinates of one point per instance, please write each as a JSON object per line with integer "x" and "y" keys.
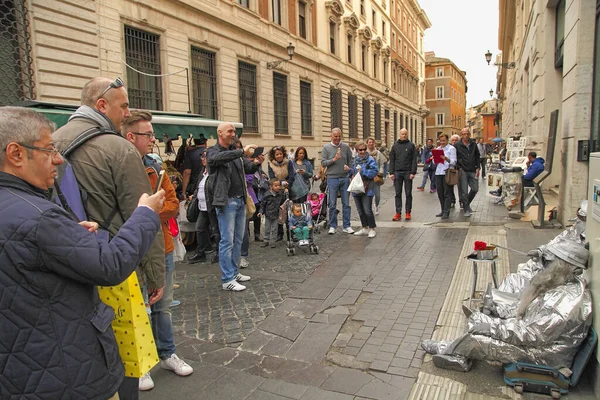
{"x": 550, "y": 333}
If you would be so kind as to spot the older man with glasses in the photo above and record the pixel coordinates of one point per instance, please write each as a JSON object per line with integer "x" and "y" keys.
{"x": 109, "y": 171}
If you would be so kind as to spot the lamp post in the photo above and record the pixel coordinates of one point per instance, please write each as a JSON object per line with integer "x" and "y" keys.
{"x": 275, "y": 64}
{"x": 509, "y": 65}
{"x": 491, "y": 93}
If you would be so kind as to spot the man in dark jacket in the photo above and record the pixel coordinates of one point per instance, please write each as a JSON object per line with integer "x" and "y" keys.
{"x": 467, "y": 162}
{"x": 403, "y": 168}
{"x": 56, "y": 340}
{"x": 227, "y": 193}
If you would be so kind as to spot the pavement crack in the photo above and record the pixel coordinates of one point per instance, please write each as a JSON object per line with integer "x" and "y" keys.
{"x": 237, "y": 353}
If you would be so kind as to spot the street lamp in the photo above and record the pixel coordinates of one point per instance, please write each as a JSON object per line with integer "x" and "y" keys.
{"x": 492, "y": 93}
{"x": 275, "y": 64}
{"x": 488, "y": 58}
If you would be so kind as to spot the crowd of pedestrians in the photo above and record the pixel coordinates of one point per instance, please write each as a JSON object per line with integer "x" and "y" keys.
{"x": 226, "y": 182}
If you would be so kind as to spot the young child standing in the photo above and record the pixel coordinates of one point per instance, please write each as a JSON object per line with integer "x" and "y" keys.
{"x": 300, "y": 224}
{"x": 269, "y": 207}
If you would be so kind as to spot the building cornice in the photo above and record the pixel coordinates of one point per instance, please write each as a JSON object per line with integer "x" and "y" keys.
{"x": 420, "y": 14}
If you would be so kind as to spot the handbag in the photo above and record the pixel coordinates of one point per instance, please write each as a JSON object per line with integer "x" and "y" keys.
{"x": 193, "y": 211}
{"x": 131, "y": 326}
{"x": 379, "y": 179}
{"x": 282, "y": 218}
{"x": 250, "y": 206}
{"x": 298, "y": 189}
{"x": 356, "y": 185}
{"x": 451, "y": 176}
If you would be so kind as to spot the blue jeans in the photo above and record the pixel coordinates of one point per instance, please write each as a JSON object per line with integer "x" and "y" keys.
{"x": 162, "y": 327}
{"x": 232, "y": 225}
{"x": 335, "y": 185}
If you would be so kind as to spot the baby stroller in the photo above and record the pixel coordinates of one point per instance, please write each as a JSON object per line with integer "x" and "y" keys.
{"x": 292, "y": 242}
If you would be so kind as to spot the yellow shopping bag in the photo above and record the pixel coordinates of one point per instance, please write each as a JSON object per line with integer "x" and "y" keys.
{"x": 131, "y": 326}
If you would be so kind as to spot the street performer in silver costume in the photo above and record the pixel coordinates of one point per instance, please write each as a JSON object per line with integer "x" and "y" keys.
{"x": 544, "y": 323}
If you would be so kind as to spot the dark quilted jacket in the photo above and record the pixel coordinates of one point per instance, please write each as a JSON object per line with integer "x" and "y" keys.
{"x": 56, "y": 341}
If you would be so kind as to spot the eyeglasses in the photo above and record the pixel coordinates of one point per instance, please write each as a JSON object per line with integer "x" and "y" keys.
{"x": 148, "y": 135}
{"x": 361, "y": 149}
{"x": 117, "y": 83}
{"x": 52, "y": 150}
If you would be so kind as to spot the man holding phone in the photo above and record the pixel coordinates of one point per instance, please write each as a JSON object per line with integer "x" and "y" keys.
{"x": 137, "y": 129}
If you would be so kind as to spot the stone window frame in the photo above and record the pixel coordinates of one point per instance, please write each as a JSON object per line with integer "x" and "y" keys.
{"x": 283, "y": 11}
{"x": 438, "y": 119}
{"x": 309, "y": 7}
{"x": 335, "y": 11}
{"x": 351, "y": 26}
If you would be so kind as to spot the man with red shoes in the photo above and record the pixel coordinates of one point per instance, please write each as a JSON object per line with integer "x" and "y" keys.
{"x": 403, "y": 168}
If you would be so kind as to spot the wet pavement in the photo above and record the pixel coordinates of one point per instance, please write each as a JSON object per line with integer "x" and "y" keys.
{"x": 346, "y": 323}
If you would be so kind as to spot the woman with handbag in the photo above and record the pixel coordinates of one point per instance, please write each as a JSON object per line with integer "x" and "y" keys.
{"x": 304, "y": 170}
{"x": 366, "y": 166}
{"x": 379, "y": 180}
{"x": 279, "y": 167}
{"x": 448, "y": 160}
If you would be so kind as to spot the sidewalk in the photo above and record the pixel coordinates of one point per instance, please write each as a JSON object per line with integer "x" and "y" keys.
{"x": 346, "y": 323}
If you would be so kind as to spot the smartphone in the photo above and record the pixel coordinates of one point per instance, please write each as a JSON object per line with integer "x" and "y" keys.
{"x": 161, "y": 176}
{"x": 258, "y": 151}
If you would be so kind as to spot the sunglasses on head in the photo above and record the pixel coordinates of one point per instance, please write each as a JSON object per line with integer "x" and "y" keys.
{"x": 117, "y": 83}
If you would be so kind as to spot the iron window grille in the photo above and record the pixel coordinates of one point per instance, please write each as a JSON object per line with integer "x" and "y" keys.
{"x": 353, "y": 116}
{"x": 377, "y": 121}
{"x": 335, "y": 96}
{"x": 16, "y": 71}
{"x": 306, "y": 108}
{"x": 366, "y": 115}
{"x": 204, "y": 83}
{"x": 142, "y": 52}
{"x": 280, "y": 103}
{"x": 248, "y": 102}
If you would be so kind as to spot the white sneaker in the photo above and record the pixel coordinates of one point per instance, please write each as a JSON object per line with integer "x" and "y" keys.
{"x": 176, "y": 365}
{"x": 372, "y": 233}
{"x": 362, "y": 232}
{"x": 241, "y": 278}
{"x": 233, "y": 286}
{"x": 244, "y": 262}
{"x": 376, "y": 210}
{"x": 146, "y": 382}
{"x": 331, "y": 230}
{"x": 349, "y": 230}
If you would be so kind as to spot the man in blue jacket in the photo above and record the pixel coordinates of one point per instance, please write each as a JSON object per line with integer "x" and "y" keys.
{"x": 56, "y": 340}
{"x": 535, "y": 166}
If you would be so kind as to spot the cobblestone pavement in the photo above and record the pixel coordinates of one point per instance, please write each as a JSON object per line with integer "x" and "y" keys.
{"x": 344, "y": 324}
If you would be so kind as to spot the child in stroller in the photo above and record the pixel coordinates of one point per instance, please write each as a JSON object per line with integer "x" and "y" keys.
{"x": 318, "y": 206}
{"x": 300, "y": 227}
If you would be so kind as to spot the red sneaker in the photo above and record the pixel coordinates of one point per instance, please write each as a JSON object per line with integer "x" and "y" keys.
{"x": 420, "y": 189}
{"x": 397, "y": 217}
{"x": 407, "y": 216}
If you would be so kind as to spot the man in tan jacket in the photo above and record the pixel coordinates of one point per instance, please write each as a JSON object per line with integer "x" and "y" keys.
{"x": 111, "y": 177}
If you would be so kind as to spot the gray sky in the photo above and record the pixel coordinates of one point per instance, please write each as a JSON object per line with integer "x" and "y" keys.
{"x": 463, "y": 31}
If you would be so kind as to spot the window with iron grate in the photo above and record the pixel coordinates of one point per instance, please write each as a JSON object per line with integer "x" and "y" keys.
{"x": 142, "y": 52}
{"x": 280, "y": 103}
{"x": 248, "y": 101}
{"x": 353, "y": 116}
{"x": 377, "y": 121}
{"x": 16, "y": 72}
{"x": 204, "y": 83}
{"x": 306, "y": 108}
{"x": 366, "y": 115}
{"x": 335, "y": 96}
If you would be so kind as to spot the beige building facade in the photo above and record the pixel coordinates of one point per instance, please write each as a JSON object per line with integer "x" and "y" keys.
{"x": 551, "y": 43}
{"x": 445, "y": 96}
{"x": 218, "y": 58}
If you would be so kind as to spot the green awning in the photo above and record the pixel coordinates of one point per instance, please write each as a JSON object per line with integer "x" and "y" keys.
{"x": 165, "y": 124}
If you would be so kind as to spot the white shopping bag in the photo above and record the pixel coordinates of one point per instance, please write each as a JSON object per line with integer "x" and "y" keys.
{"x": 356, "y": 185}
{"x": 179, "y": 252}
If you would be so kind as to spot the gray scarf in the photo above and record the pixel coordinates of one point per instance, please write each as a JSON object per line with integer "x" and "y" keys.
{"x": 96, "y": 116}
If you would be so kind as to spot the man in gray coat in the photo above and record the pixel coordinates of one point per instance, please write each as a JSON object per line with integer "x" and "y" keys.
{"x": 337, "y": 158}
{"x": 109, "y": 170}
